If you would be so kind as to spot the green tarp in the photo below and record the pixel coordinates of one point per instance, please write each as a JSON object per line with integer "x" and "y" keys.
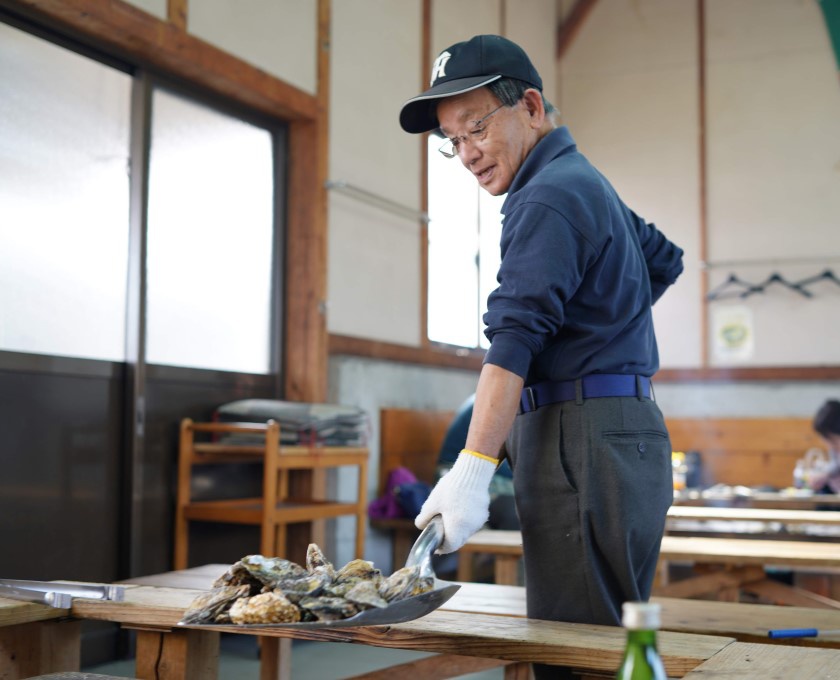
{"x": 831, "y": 12}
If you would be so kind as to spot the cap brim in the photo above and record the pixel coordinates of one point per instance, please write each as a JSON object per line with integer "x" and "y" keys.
{"x": 419, "y": 114}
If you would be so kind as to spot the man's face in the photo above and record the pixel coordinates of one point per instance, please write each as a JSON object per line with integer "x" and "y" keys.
{"x": 494, "y": 157}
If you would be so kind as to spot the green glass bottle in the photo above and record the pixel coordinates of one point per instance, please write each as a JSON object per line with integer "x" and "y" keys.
{"x": 641, "y": 659}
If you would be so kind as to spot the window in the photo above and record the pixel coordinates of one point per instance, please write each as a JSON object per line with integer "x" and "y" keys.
{"x": 65, "y": 136}
{"x": 211, "y": 224}
{"x": 464, "y": 235}
{"x": 64, "y": 140}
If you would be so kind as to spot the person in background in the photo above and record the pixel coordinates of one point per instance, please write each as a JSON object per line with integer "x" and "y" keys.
{"x": 565, "y": 385}
{"x": 827, "y": 425}
{"x": 502, "y": 510}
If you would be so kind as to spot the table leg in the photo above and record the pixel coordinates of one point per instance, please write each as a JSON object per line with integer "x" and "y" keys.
{"x": 465, "y": 566}
{"x": 275, "y": 658}
{"x": 186, "y": 654}
{"x": 39, "y": 647}
{"x": 506, "y": 570}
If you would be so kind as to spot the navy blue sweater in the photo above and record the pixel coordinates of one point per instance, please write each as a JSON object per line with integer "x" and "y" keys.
{"x": 579, "y": 273}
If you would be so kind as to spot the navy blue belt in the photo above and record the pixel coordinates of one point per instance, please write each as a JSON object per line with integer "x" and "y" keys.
{"x": 591, "y": 387}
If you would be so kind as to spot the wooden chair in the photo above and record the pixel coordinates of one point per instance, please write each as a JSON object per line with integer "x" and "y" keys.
{"x": 287, "y": 495}
{"x": 747, "y": 451}
{"x": 408, "y": 438}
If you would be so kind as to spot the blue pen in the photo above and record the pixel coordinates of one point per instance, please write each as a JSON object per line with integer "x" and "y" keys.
{"x": 800, "y": 632}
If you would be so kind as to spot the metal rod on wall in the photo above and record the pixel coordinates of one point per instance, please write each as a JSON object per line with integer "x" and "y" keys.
{"x": 376, "y": 200}
{"x": 763, "y": 262}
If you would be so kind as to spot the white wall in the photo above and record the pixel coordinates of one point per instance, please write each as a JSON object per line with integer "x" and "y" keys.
{"x": 277, "y": 36}
{"x": 374, "y": 255}
{"x": 774, "y": 170}
{"x": 154, "y": 7}
{"x": 629, "y": 92}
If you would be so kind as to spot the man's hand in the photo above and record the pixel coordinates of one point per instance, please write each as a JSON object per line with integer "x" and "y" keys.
{"x": 462, "y": 499}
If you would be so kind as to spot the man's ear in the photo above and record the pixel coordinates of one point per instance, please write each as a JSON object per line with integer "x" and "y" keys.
{"x": 534, "y": 105}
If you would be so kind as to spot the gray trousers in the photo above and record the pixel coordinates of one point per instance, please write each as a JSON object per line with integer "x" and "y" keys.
{"x": 593, "y": 483}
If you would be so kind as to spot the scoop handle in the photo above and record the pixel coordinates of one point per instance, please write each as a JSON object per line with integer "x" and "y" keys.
{"x": 424, "y": 547}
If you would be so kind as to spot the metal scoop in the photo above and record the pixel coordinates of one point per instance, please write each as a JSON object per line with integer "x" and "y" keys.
{"x": 396, "y": 612}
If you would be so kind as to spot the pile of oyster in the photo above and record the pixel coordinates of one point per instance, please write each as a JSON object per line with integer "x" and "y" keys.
{"x": 260, "y": 589}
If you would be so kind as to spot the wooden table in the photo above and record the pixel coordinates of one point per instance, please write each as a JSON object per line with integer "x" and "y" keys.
{"x": 744, "y": 622}
{"x": 481, "y": 623}
{"x": 770, "y": 523}
{"x": 726, "y": 565}
{"x": 190, "y": 653}
{"x": 778, "y": 500}
{"x": 36, "y": 639}
{"x": 777, "y": 516}
{"x": 746, "y": 661}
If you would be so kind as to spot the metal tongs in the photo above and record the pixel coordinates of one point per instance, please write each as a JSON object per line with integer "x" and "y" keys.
{"x": 58, "y": 594}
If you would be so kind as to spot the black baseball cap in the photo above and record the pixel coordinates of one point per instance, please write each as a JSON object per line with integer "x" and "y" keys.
{"x": 463, "y": 67}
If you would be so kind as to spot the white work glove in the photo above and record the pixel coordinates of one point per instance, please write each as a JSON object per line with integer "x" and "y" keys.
{"x": 462, "y": 499}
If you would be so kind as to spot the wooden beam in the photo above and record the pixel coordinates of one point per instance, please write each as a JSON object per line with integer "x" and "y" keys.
{"x": 464, "y": 359}
{"x": 425, "y": 65}
{"x": 568, "y": 30}
{"x": 759, "y": 373}
{"x": 703, "y": 172}
{"x": 470, "y": 360}
{"x": 305, "y": 365}
{"x": 128, "y": 33}
{"x": 176, "y": 12}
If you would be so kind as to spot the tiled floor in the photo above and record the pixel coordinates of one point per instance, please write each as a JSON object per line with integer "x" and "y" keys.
{"x": 310, "y": 661}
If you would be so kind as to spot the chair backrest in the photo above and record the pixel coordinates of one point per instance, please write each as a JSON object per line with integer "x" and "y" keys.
{"x": 747, "y": 451}
{"x": 411, "y": 438}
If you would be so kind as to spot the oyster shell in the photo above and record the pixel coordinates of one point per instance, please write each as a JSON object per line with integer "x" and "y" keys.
{"x": 212, "y": 606}
{"x": 238, "y": 575}
{"x": 271, "y": 570}
{"x": 329, "y": 608}
{"x": 405, "y": 582}
{"x": 307, "y": 585}
{"x": 317, "y": 563}
{"x": 366, "y": 595}
{"x": 358, "y": 569}
{"x": 270, "y": 607}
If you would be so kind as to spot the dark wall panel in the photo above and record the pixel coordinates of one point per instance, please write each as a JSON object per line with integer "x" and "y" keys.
{"x": 60, "y": 458}
{"x": 171, "y": 395}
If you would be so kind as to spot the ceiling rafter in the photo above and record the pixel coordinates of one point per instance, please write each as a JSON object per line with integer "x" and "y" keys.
{"x": 569, "y": 28}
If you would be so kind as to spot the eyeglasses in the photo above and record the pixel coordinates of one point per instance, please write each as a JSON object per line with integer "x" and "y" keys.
{"x": 450, "y": 147}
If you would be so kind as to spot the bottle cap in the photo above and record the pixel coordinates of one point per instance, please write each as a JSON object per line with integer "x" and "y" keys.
{"x": 641, "y": 615}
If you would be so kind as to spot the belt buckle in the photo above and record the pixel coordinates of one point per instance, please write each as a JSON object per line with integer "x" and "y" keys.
{"x": 532, "y": 400}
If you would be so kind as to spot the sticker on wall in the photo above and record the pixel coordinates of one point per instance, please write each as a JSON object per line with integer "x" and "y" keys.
{"x": 733, "y": 333}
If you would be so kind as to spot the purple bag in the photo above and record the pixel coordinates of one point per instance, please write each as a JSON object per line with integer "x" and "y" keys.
{"x": 388, "y": 505}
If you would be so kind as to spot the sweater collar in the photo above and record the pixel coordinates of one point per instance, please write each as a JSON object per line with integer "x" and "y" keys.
{"x": 554, "y": 144}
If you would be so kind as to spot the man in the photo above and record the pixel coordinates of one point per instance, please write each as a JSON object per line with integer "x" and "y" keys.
{"x": 566, "y": 381}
